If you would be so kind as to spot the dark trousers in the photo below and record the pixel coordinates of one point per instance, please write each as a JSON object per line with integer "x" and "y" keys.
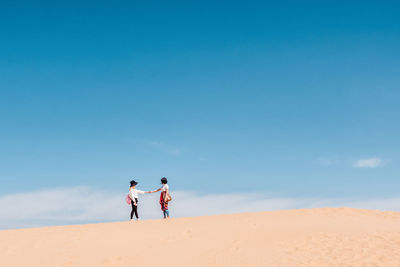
{"x": 134, "y": 209}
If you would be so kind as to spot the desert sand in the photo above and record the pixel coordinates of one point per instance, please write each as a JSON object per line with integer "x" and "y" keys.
{"x": 304, "y": 237}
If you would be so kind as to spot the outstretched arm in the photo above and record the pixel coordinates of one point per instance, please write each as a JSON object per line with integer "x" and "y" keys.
{"x": 154, "y": 191}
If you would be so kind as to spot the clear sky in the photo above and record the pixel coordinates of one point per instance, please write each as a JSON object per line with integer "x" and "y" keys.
{"x": 297, "y": 100}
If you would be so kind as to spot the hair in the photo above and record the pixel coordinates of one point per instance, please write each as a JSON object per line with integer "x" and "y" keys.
{"x": 164, "y": 180}
{"x": 133, "y": 183}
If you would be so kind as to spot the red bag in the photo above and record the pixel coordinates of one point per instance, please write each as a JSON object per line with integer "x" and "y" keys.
{"x": 128, "y": 199}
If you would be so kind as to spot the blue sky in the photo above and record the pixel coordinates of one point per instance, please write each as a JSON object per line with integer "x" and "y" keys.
{"x": 295, "y": 100}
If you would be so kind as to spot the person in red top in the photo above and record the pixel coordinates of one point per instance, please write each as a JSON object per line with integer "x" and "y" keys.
{"x": 164, "y": 197}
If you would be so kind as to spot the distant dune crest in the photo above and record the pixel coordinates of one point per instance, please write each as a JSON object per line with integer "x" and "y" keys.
{"x": 310, "y": 237}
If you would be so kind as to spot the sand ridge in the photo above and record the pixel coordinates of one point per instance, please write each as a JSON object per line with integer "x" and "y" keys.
{"x": 304, "y": 237}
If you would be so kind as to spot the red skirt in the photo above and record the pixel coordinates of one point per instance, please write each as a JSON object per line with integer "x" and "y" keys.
{"x": 164, "y": 205}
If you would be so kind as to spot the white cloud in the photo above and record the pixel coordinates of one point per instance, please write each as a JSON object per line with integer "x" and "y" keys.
{"x": 58, "y": 206}
{"x": 368, "y": 163}
{"x": 361, "y": 163}
{"x": 87, "y": 205}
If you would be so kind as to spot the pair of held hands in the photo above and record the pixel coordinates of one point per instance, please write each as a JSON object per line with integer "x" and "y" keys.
{"x": 166, "y": 199}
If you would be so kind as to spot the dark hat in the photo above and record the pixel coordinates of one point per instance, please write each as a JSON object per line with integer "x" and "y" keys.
{"x": 133, "y": 182}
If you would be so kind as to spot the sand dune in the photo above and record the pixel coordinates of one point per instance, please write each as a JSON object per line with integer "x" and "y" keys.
{"x": 308, "y": 237}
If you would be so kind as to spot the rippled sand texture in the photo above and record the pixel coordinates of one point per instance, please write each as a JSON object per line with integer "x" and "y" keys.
{"x": 307, "y": 237}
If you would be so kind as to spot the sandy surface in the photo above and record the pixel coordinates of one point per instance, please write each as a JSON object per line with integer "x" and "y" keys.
{"x": 308, "y": 237}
